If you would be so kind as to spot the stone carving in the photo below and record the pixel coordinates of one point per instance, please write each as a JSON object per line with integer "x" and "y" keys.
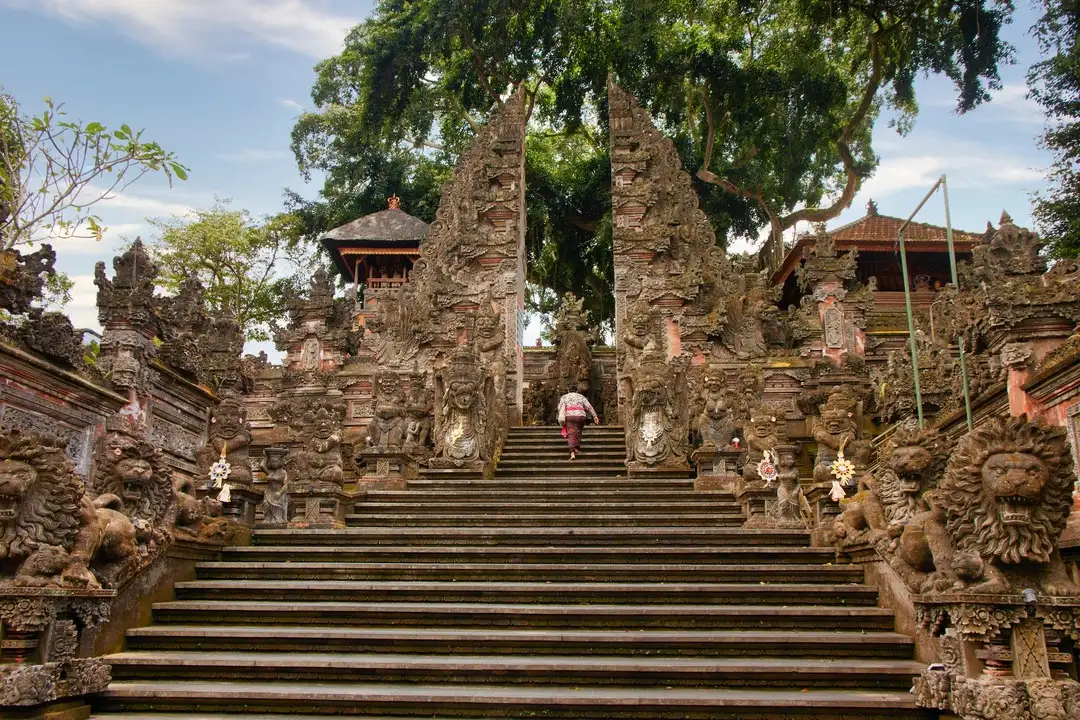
{"x": 835, "y": 429}
{"x": 659, "y": 415}
{"x": 790, "y": 509}
{"x": 992, "y": 524}
{"x": 44, "y": 511}
{"x": 22, "y": 278}
{"x": 53, "y": 535}
{"x": 321, "y": 459}
{"x": 540, "y": 402}
{"x": 127, "y": 311}
{"x": 912, "y": 461}
{"x": 183, "y": 323}
{"x": 763, "y": 433}
{"x": 419, "y": 413}
{"x": 133, "y": 486}
{"x": 43, "y": 634}
{"x": 229, "y": 431}
{"x": 196, "y": 519}
{"x": 463, "y": 432}
{"x": 715, "y": 424}
{"x": 275, "y": 504}
{"x": 388, "y": 427}
{"x": 665, "y": 248}
{"x": 51, "y": 335}
{"x": 573, "y": 358}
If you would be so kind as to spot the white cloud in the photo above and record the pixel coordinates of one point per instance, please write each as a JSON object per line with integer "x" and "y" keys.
{"x": 139, "y": 204}
{"x": 115, "y": 236}
{"x": 251, "y": 155}
{"x": 291, "y": 104}
{"x": 83, "y": 306}
{"x": 982, "y": 171}
{"x": 189, "y": 26}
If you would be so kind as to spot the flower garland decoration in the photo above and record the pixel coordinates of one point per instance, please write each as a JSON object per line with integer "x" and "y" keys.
{"x": 219, "y": 473}
{"x": 843, "y": 470}
{"x": 766, "y": 469}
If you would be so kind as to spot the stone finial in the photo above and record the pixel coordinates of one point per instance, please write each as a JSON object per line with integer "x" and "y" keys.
{"x": 871, "y": 208}
{"x": 393, "y": 202}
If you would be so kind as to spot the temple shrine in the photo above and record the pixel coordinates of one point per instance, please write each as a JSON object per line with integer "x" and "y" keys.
{"x": 793, "y": 507}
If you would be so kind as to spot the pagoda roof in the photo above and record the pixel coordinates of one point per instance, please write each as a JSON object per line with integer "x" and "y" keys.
{"x": 875, "y": 232}
{"x": 382, "y": 231}
{"x": 389, "y": 226}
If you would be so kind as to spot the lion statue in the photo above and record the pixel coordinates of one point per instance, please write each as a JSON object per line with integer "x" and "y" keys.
{"x": 912, "y": 461}
{"x": 993, "y": 524}
{"x": 134, "y": 488}
{"x": 41, "y": 509}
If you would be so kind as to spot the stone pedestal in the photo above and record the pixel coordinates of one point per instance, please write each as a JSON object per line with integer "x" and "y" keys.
{"x": 42, "y": 672}
{"x": 825, "y": 510}
{"x": 717, "y": 469}
{"x": 318, "y": 506}
{"x": 752, "y": 496}
{"x": 385, "y": 469}
{"x": 242, "y": 503}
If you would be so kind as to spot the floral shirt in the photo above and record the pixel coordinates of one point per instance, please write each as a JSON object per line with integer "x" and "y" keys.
{"x": 574, "y": 406}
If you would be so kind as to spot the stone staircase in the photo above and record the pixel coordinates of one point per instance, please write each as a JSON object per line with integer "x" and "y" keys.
{"x": 557, "y": 589}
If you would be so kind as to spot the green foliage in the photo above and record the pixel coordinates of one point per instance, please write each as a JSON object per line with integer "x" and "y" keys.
{"x": 54, "y": 170}
{"x": 247, "y": 267}
{"x": 1055, "y": 84}
{"x": 770, "y": 102}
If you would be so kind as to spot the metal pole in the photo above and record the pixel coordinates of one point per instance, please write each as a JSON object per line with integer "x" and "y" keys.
{"x": 956, "y": 284}
{"x": 907, "y": 303}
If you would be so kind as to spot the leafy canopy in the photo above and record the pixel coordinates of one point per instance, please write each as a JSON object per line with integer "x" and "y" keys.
{"x": 1055, "y": 84}
{"x": 54, "y": 171}
{"x": 247, "y": 267}
{"x": 770, "y": 102}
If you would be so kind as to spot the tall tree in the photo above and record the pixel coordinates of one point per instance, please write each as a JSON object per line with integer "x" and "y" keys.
{"x": 1055, "y": 84}
{"x": 54, "y": 171}
{"x": 247, "y": 267}
{"x": 770, "y": 101}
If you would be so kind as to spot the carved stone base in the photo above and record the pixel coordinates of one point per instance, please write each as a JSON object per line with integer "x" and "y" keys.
{"x": 318, "y": 507}
{"x": 717, "y": 469}
{"x": 42, "y": 635}
{"x": 386, "y": 469}
{"x": 242, "y": 503}
{"x": 752, "y": 496}
{"x": 825, "y": 511}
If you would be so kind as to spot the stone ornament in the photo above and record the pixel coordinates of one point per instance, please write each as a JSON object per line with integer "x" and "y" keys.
{"x": 275, "y": 503}
{"x": 228, "y": 442}
{"x": 197, "y": 519}
{"x": 419, "y": 416}
{"x": 321, "y": 459}
{"x": 714, "y": 425}
{"x": 659, "y": 416}
{"x": 388, "y": 426}
{"x": 762, "y": 434}
{"x": 464, "y": 432}
{"x": 54, "y": 535}
{"x": 42, "y": 629}
{"x": 911, "y": 462}
{"x": 835, "y": 429}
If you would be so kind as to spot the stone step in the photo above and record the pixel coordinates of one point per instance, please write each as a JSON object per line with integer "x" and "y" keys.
{"x": 142, "y": 715}
{"x": 529, "y": 592}
{"x": 713, "y": 643}
{"x": 555, "y": 430}
{"x": 584, "y": 518}
{"x": 532, "y": 670}
{"x": 550, "y": 537}
{"x": 537, "y": 572}
{"x": 502, "y": 505}
{"x": 561, "y": 453}
{"x": 517, "y": 701}
{"x": 760, "y": 555}
{"x": 471, "y": 498}
{"x": 590, "y": 465}
{"x": 590, "y": 444}
{"x": 425, "y": 614}
{"x": 525, "y": 482}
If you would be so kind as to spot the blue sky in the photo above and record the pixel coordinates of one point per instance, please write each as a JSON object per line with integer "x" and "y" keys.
{"x": 220, "y": 82}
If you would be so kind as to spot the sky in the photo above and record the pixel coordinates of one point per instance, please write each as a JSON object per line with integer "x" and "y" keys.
{"x": 221, "y": 82}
